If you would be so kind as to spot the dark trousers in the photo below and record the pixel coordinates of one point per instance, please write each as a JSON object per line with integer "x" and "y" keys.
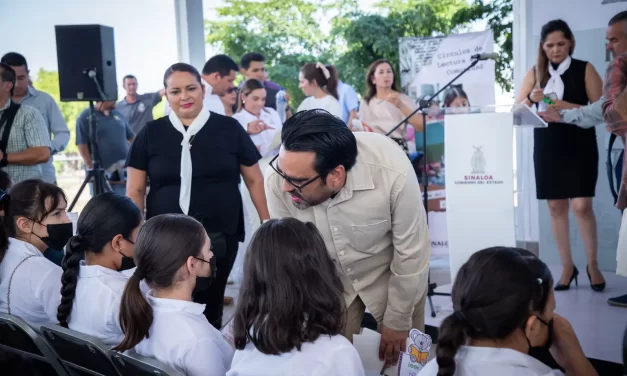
{"x": 213, "y": 297}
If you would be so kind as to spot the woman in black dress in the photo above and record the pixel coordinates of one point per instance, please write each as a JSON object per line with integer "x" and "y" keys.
{"x": 194, "y": 159}
{"x": 565, "y": 156}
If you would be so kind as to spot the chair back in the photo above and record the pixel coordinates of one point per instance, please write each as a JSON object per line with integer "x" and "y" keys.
{"x": 25, "y": 348}
{"x": 79, "y": 353}
{"x": 133, "y": 364}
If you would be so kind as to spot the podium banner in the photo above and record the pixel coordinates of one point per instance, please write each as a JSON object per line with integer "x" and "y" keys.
{"x": 427, "y": 64}
{"x": 479, "y": 184}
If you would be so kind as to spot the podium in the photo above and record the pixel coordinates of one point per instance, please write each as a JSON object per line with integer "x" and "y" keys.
{"x": 480, "y": 172}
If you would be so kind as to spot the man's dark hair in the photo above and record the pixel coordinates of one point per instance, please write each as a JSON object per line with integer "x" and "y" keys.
{"x": 324, "y": 134}
{"x": 221, "y": 64}
{"x": 7, "y": 74}
{"x": 248, "y": 58}
{"x": 622, "y": 16}
{"x": 14, "y": 59}
{"x": 128, "y": 77}
{"x": 291, "y": 293}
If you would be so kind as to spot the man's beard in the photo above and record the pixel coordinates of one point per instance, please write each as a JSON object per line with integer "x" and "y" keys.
{"x": 302, "y": 204}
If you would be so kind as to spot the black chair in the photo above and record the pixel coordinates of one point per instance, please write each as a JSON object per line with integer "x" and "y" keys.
{"x": 80, "y": 354}
{"x": 133, "y": 364}
{"x": 25, "y": 352}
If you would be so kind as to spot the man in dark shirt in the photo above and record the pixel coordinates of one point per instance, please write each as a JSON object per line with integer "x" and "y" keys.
{"x": 137, "y": 108}
{"x": 253, "y": 66}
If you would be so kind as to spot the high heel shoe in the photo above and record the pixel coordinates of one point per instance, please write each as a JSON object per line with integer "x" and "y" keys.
{"x": 560, "y": 287}
{"x": 599, "y": 286}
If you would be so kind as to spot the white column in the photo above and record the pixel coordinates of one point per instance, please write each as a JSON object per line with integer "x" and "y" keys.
{"x": 527, "y": 211}
{"x": 190, "y": 32}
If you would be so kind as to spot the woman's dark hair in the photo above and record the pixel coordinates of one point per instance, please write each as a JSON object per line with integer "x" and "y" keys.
{"x": 163, "y": 245}
{"x": 542, "y": 65}
{"x": 324, "y": 134}
{"x": 453, "y": 92}
{"x": 27, "y": 199}
{"x": 180, "y": 67}
{"x": 311, "y": 72}
{"x": 104, "y": 217}
{"x": 494, "y": 294}
{"x": 371, "y": 88}
{"x": 248, "y": 87}
{"x": 291, "y": 293}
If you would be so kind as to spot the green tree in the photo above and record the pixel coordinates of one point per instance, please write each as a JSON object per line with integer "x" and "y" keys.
{"x": 48, "y": 81}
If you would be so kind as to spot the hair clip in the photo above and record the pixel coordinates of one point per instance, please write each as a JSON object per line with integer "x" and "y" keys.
{"x": 539, "y": 281}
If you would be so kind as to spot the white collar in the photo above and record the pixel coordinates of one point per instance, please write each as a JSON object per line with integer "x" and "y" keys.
{"x": 510, "y": 357}
{"x": 88, "y": 271}
{"x": 174, "y": 305}
{"x": 25, "y": 247}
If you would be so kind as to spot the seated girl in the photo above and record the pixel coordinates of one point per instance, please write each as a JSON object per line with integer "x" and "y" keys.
{"x": 173, "y": 254}
{"x": 503, "y": 321}
{"x": 95, "y": 257}
{"x": 291, "y": 307}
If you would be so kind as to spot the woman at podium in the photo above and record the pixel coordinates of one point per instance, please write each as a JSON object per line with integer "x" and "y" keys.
{"x": 565, "y": 157}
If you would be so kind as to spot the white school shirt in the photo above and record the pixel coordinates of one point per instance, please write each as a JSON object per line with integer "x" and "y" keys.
{"x": 181, "y": 337}
{"x": 211, "y": 102}
{"x": 328, "y": 103}
{"x": 96, "y": 307}
{"x": 326, "y": 356}
{"x": 490, "y": 361}
{"x": 264, "y": 139}
{"x": 36, "y": 284}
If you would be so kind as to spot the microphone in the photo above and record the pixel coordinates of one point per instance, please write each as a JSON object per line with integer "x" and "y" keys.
{"x": 485, "y": 56}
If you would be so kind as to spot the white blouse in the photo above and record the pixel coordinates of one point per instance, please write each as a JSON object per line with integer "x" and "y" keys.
{"x": 326, "y": 356}
{"x": 96, "y": 307}
{"x": 181, "y": 337}
{"x": 36, "y": 285}
{"x": 328, "y": 103}
{"x": 490, "y": 361}
{"x": 264, "y": 139}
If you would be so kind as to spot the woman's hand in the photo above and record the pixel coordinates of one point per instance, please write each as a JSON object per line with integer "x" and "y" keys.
{"x": 395, "y": 99}
{"x": 563, "y": 105}
{"x": 567, "y": 350}
{"x": 257, "y": 126}
{"x": 537, "y": 95}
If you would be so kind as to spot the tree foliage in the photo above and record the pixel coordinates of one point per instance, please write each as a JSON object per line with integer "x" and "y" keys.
{"x": 290, "y": 33}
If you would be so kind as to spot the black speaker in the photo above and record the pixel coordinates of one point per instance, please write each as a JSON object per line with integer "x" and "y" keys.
{"x": 81, "y": 49}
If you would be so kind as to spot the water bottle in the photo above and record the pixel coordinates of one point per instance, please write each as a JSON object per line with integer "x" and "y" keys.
{"x": 281, "y": 105}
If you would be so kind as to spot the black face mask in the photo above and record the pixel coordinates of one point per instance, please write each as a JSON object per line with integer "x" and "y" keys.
{"x": 127, "y": 262}
{"x": 203, "y": 283}
{"x": 58, "y": 235}
{"x": 539, "y": 352}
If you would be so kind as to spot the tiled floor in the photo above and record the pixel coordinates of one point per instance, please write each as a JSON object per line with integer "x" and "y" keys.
{"x": 598, "y": 326}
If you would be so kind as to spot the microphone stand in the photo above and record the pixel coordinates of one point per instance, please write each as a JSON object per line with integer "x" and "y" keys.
{"x": 422, "y": 106}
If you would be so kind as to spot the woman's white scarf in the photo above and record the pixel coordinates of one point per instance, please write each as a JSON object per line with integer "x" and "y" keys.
{"x": 555, "y": 83}
{"x": 186, "y": 155}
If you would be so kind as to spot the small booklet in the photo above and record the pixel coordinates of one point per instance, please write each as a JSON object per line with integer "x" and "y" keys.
{"x": 525, "y": 117}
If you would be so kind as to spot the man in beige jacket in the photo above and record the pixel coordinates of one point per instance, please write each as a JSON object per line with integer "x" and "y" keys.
{"x": 362, "y": 193}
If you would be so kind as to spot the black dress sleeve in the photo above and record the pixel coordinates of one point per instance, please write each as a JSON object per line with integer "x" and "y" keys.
{"x": 247, "y": 153}
{"x": 138, "y": 154}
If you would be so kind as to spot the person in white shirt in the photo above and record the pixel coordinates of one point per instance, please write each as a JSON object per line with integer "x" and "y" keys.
{"x": 92, "y": 279}
{"x": 173, "y": 254}
{"x": 262, "y": 123}
{"x": 290, "y": 311}
{"x": 503, "y": 321}
{"x": 217, "y": 75}
{"x": 319, "y": 83}
{"x": 34, "y": 219}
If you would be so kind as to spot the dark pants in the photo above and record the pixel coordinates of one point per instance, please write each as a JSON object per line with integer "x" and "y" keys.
{"x": 213, "y": 297}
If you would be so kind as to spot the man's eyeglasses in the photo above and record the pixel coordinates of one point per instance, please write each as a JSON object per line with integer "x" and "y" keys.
{"x": 299, "y": 187}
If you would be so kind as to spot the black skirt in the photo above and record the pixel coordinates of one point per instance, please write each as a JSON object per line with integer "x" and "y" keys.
{"x": 566, "y": 161}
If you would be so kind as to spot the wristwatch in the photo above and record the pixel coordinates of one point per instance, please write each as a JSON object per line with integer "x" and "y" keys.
{"x": 264, "y": 221}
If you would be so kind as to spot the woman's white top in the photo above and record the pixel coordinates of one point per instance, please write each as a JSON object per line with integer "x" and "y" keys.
{"x": 326, "y": 356}
{"x": 35, "y": 287}
{"x": 263, "y": 140}
{"x": 181, "y": 337}
{"x": 96, "y": 307}
{"x": 490, "y": 361}
{"x": 327, "y": 102}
